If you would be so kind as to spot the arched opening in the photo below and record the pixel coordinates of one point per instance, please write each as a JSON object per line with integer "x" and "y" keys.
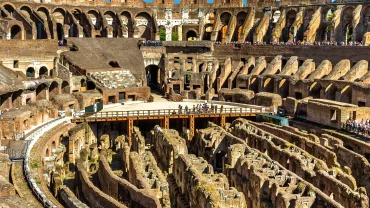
{"x": 65, "y": 87}
{"x": 41, "y": 92}
{"x": 9, "y": 8}
{"x": 30, "y": 72}
{"x": 47, "y": 152}
{"x": 53, "y": 89}
{"x": 331, "y": 90}
{"x": 111, "y": 20}
{"x": 308, "y": 13}
{"x": 127, "y": 25}
{"x": 143, "y": 26}
{"x": 43, "y": 72}
{"x": 16, "y": 32}
{"x": 59, "y": 18}
{"x": 253, "y": 85}
{"x": 90, "y": 85}
{"x": 346, "y": 95}
{"x": 191, "y": 35}
{"x": 288, "y": 33}
{"x": 153, "y": 76}
{"x": 315, "y": 90}
{"x": 268, "y": 85}
{"x": 240, "y": 18}
{"x": 284, "y": 88}
{"x": 95, "y": 20}
{"x": 60, "y": 33}
{"x": 347, "y": 18}
{"x": 225, "y": 19}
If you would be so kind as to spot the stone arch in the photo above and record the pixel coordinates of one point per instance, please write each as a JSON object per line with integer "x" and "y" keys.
{"x": 290, "y": 18}
{"x": 30, "y": 72}
{"x": 330, "y": 92}
{"x": 191, "y": 35}
{"x": 41, "y": 92}
{"x": 111, "y": 19}
{"x": 283, "y": 88}
{"x": 326, "y": 27}
{"x": 16, "y": 32}
{"x": 43, "y": 71}
{"x": 65, "y": 87}
{"x": 144, "y": 25}
{"x": 315, "y": 90}
{"x": 347, "y": 28}
{"x": 225, "y": 18}
{"x": 59, "y": 15}
{"x": 126, "y": 24}
{"x": 94, "y": 17}
{"x": 241, "y": 17}
{"x": 43, "y": 11}
{"x": 346, "y": 94}
{"x": 268, "y": 85}
{"x": 54, "y": 88}
{"x": 9, "y": 7}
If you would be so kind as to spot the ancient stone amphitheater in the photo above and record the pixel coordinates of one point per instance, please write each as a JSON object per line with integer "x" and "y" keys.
{"x": 223, "y": 103}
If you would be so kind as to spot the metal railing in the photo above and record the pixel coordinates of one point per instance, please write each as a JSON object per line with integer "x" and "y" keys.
{"x": 171, "y": 112}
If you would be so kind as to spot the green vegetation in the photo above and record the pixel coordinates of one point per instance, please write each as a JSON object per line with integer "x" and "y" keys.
{"x": 162, "y": 35}
{"x": 34, "y": 164}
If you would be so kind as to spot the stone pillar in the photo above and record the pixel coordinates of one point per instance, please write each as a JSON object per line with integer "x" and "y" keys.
{"x": 179, "y": 32}
{"x": 168, "y": 33}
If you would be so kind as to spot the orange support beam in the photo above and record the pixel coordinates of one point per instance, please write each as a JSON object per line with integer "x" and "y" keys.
{"x": 130, "y": 129}
{"x": 223, "y": 121}
{"x": 191, "y": 127}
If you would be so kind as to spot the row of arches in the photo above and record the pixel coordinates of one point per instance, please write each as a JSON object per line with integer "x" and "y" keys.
{"x": 43, "y": 72}
{"x": 59, "y": 23}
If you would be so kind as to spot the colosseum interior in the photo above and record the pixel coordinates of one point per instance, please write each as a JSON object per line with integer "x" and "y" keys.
{"x": 191, "y": 103}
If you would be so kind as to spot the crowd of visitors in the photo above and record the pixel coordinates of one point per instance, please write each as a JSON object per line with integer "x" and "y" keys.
{"x": 362, "y": 127}
{"x": 289, "y": 43}
{"x": 199, "y": 108}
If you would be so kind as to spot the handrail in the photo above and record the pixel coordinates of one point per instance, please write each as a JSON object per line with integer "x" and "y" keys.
{"x": 171, "y": 112}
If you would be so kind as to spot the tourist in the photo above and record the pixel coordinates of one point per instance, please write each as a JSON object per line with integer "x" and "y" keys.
{"x": 222, "y": 108}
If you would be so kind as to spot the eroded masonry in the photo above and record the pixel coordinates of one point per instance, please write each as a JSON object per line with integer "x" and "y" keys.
{"x": 191, "y": 104}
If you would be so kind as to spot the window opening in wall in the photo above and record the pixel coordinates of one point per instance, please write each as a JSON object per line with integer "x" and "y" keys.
{"x": 361, "y": 104}
{"x": 298, "y": 95}
{"x": 16, "y": 64}
{"x": 111, "y": 99}
{"x": 190, "y": 60}
{"x": 122, "y": 95}
{"x": 176, "y": 60}
{"x": 333, "y": 115}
